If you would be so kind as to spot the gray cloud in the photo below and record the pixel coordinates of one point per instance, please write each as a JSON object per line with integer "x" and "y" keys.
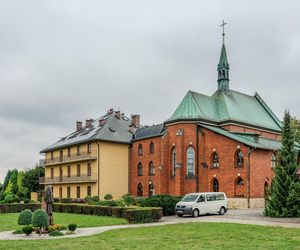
{"x": 62, "y": 61}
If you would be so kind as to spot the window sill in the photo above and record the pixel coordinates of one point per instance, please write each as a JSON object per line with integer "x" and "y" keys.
{"x": 151, "y": 174}
{"x": 190, "y": 176}
{"x": 239, "y": 166}
{"x": 214, "y": 167}
{"x": 140, "y": 175}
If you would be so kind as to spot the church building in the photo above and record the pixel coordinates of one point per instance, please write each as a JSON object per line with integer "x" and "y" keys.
{"x": 225, "y": 142}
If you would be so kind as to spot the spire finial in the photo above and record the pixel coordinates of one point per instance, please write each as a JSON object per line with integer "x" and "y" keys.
{"x": 223, "y": 26}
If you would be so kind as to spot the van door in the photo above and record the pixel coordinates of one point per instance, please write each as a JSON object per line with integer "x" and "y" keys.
{"x": 201, "y": 204}
{"x": 212, "y": 204}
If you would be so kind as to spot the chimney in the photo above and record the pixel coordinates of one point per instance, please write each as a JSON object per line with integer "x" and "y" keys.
{"x": 110, "y": 111}
{"x": 78, "y": 125}
{"x": 135, "y": 119}
{"x": 118, "y": 114}
{"x": 88, "y": 122}
{"x": 102, "y": 122}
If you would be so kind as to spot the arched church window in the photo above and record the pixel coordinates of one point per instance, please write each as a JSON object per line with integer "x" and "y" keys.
{"x": 239, "y": 158}
{"x": 151, "y": 148}
{"x": 190, "y": 161}
{"x": 151, "y": 168}
{"x": 140, "y": 169}
{"x": 215, "y": 185}
{"x": 140, "y": 149}
{"x": 173, "y": 162}
{"x": 273, "y": 160}
{"x": 139, "y": 190}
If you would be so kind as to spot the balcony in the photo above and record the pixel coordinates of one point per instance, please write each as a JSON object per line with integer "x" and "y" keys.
{"x": 73, "y": 158}
{"x": 67, "y": 180}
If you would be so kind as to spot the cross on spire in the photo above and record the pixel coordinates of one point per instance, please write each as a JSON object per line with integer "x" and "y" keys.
{"x": 223, "y": 26}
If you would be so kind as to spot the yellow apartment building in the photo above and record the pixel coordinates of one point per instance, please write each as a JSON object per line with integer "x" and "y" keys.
{"x": 93, "y": 160}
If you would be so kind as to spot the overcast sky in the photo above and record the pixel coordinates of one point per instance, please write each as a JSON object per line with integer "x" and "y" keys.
{"x": 62, "y": 61}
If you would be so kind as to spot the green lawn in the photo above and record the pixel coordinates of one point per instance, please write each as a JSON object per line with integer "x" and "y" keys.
{"x": 9, "y": 221}
{"x": 180, "y": 236}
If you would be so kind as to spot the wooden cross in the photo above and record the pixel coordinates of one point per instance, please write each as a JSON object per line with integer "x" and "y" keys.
{"x": 223, "y": 26}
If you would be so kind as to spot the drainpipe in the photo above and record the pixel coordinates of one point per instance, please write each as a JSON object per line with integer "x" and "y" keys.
{"x": 98, "y": 160}
{"x": 196, "y": 158}
{"x": 248, "y": 175}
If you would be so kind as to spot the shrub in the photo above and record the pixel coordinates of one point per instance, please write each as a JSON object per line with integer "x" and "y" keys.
{"x": 111, "y": 203}
{"x": 9, "y": 199}
{"x": 40, "y": 219}
{"x": 66, "y": 200}
{"x": 55, "y": 227}
{"x": 25, "y": 217}
{"x": 88, "y": 199}
{"x": 143, "y": 215}
{"x": 72, "y": 227}
{"x": 129, "y": 200}
{"x": 102, "y": 210}
{"x": 56, "y": 199}
{"x": 19, "y": 231}
{"x": 95, "y": 198}
{"x": 166, "y": 202}
{"x": 77, "y": 209}
{"x": 26, "y": 201}
{"x": 108, "y": 197}
{"x": 17, "y": 208}
{"x": 27, "y": 230}
{"x": 56, "y": 233}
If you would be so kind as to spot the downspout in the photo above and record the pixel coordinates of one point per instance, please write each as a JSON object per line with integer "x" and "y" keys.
{"x": 197, "y": 160}
{"x": 98, "y": 160}
{"x": 248, "y": 175}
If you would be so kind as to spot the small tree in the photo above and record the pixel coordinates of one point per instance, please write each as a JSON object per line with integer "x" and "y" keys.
{"x": 25, "y": 217}
{"x": 284, "y": 194}
{"x": 40, "y": 219}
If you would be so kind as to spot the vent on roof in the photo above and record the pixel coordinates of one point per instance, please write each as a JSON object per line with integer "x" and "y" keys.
{"x": 112, "y": 130}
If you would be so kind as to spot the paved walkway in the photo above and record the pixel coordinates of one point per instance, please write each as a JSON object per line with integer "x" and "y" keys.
{"x": 249, "y": 216}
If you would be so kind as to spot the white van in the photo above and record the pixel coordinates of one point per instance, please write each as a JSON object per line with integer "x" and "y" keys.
{"x": 202, "y": 203}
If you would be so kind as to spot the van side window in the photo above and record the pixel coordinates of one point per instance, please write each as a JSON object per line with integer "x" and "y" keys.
{"x": 220, "y": 197}
{"x": 201, "y": 198}
{"x": 210, "y": 197}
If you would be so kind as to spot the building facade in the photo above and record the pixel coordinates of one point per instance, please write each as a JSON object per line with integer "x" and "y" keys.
{"x": 91, "y": 160}
{"x": 224, "y": 142}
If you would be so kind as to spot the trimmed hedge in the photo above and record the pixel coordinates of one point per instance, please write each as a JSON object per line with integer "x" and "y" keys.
{"x": 17, "y": 208}
{"x": 165, "y": 201}
{"x": 89, "y": 209}
{"x": 143, "y": 215}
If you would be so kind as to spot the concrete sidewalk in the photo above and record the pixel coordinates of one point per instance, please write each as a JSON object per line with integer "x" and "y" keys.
{"x": 249, "y": 216}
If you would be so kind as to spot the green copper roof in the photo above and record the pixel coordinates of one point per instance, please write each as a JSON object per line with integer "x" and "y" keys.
{"x": 227, "y": 106}
{"x": 223, "y": 62}
{"x": 250, "y": 139}
{"x": 247, "y": 139}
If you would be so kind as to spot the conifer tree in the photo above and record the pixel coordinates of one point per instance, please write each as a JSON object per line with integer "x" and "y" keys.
{"x": 284, "y": 194}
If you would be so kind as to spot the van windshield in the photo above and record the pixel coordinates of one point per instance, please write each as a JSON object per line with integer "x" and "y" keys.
{"x": 190, "y": 198}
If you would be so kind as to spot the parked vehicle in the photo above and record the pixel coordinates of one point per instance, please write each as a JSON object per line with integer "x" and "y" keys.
{"x": 202, "y": 203}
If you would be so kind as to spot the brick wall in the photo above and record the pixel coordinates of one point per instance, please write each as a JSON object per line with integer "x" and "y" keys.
{"x": 184, "y": 135}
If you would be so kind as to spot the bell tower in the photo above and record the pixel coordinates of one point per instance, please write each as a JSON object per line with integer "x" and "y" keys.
{"x": 223, "y": 66}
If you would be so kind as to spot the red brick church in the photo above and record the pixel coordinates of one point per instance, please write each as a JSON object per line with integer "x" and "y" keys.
{"x": 225, "y": 142}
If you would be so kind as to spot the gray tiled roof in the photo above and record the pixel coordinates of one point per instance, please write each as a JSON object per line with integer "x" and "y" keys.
{"x": 114, "y": 130}
{"x": 148, "y": 132}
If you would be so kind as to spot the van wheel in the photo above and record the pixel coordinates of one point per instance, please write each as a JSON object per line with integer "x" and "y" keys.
{"x": 195, "y": 213}
{"x": 180, "y": 215}
{"x": 222, "y": 211}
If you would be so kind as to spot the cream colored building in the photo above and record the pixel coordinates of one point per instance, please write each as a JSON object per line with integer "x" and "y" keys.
{"x": 93, "y": 160}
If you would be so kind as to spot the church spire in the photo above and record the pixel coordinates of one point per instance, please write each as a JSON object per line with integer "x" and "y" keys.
{"x": 223, "y": 66}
